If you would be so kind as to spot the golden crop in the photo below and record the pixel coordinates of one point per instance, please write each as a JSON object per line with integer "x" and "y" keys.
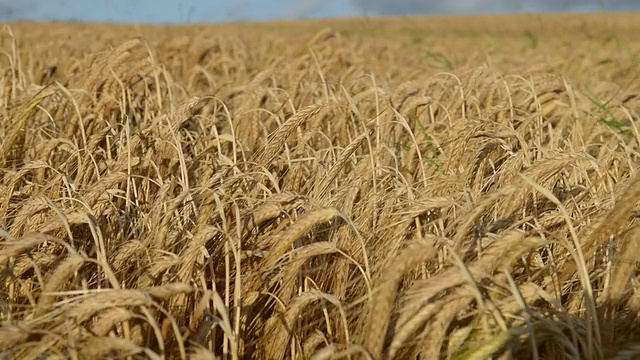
{"x": 455, "y": 188}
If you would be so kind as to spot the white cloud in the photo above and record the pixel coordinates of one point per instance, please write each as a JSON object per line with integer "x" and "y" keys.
{"x": 302, "y": 9}
{"x": 408, "y": 7}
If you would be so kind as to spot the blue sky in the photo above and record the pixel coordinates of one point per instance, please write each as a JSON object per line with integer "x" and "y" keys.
{"x": 217, "y": 11}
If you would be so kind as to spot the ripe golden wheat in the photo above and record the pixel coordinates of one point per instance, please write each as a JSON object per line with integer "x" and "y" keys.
{"x": 377, "y": 189}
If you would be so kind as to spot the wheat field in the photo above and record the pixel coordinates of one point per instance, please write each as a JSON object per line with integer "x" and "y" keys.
{"x": 400, "y": 188}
